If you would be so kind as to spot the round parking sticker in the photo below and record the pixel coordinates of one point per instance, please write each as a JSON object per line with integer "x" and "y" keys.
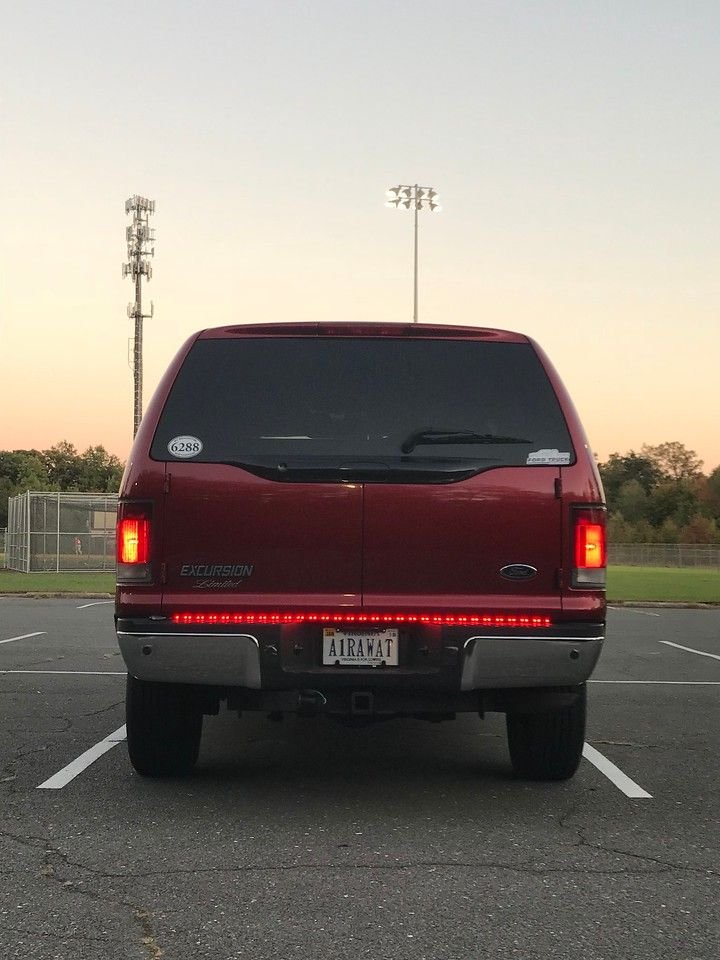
{"x": 185, "y": 447}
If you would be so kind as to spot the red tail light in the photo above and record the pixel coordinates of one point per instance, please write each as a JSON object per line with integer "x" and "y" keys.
{"x": 133, "y": 542}
{"x": 590, "y": 547}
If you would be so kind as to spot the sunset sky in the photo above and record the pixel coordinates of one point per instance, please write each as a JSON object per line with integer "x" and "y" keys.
{"x": 575, "y": 146}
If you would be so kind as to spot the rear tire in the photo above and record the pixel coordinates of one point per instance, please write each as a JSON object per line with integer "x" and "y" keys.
{"x": 548, "y": 745}
{"x": 164, "y": 725}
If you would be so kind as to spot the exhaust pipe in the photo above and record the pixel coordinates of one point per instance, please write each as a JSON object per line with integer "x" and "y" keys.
{"x": 310, "y": 702}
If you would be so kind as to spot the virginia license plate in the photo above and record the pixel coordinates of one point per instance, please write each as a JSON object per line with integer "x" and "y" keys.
{"x": 360, "y": 648}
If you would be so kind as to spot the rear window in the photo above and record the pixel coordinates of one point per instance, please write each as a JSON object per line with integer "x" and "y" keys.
{"x": 420, "y": 407}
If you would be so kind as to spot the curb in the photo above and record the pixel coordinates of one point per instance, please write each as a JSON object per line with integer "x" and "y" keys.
{"x": 56, "y": 595}
{"x": 667, "y": 604}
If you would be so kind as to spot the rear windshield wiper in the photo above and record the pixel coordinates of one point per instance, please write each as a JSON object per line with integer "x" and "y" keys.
{"x": 454, "y": 436}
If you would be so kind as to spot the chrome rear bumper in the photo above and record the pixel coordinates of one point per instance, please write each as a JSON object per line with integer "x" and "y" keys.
{"x": 206, "y": 658}
{"x": 484, "y": 662}
{"x": 498, "y": 662}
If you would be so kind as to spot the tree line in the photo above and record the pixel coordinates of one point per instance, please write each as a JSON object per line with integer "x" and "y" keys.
{"x": 61, "y": 467}
{"x": 660, "y": 495}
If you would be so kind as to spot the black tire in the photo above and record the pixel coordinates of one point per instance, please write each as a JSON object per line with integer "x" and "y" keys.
{"x": 164, "y": 725}
{"x": 548, "y": 745}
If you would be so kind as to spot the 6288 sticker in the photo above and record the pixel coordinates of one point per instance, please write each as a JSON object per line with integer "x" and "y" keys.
{"x": 185, "y": 447}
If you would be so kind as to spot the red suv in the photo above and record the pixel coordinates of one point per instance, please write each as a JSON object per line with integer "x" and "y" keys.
{"x": 364, "y": 521}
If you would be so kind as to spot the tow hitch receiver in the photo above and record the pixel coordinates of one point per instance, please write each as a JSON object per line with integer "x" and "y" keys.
{"x": 362, "y": 703}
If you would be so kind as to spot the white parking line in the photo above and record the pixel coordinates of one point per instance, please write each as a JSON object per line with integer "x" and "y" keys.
{"x": 672, "y": 683}
{"x": 679, "y": 646}
{"x": 73, "y": 673}
{"x": 25, "y": 636}
{"x": 642, "y": 613}
{"x": 615, "y": 774}
{"x": 68, "y": 773}
{"x": 95, "y": 603}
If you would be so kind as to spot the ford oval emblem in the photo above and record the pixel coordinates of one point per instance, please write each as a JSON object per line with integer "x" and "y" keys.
{"x": 518, "y": 571}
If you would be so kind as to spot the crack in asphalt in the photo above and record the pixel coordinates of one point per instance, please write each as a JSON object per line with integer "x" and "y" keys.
{"x": 582, "y": 841}
{"x": 68, "y": 721}
{"x": 27, "y": 751}
{"x": 627, "y": 743}
{"x": 140, "y": 916}
{"x": 144, "y": 919}
{"x": 8, "y": 773}
{"x": 535, "y": 866}
{"x": 96, "y": 713}
{"x": 9, "y": 770}
{"x": 9, "y": 776}
{"x": 56, "y": 866}
{"x": 45, "y": 660}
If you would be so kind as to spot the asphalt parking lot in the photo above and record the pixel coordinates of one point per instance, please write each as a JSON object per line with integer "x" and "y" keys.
{"x": 400, "y": 840}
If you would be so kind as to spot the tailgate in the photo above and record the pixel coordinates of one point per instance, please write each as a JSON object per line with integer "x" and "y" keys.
{"x": 443, "y": 546}
{"x": 231, "y": 539}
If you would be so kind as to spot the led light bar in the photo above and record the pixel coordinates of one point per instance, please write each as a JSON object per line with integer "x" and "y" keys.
{"x": 436, "y": 619}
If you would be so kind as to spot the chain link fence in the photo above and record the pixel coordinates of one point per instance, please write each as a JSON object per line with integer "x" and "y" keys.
{"x": 74, "y": 532}
{"x": 53, "y": 532}
{"x": 664, "y": 554}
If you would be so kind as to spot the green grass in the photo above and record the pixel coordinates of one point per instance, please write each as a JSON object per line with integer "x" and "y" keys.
{"x": 683, "y": 584}
{"x": 688, "y": 584}
{"x": 13, "y": 582}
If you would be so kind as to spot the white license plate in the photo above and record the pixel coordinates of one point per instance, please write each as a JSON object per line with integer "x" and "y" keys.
{"x": 360, "y": 648}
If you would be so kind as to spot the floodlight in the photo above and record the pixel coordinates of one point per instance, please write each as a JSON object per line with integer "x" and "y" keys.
{"x": 415, "y": 197}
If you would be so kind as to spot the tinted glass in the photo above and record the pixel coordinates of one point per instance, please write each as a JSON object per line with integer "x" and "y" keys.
{"x": 320, "y": 399}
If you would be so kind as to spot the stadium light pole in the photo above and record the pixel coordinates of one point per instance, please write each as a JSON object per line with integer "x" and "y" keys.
{"x": 416, "y": 198}
{"x": 138, "y": 235}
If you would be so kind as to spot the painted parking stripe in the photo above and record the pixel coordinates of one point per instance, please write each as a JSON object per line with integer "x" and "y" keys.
{"x": 75, "y": 673}
{"x": 669, "y": 683}
{"x": 700, "y": 653}
{"x": 25, "y": 636}
{"x": 642, "y": 613}
{"x": 615, "y": 774}
{"x": 95, "y": 603}
{"x": 68, "y": 773}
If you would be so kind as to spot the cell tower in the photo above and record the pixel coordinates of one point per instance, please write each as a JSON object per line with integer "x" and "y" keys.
{"x": 139, "y": 235}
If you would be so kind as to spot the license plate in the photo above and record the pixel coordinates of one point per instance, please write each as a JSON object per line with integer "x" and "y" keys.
{"x": 360, "y": 648}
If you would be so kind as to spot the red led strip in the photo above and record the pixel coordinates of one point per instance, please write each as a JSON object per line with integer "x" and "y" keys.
{"x": 441, "y": 619}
